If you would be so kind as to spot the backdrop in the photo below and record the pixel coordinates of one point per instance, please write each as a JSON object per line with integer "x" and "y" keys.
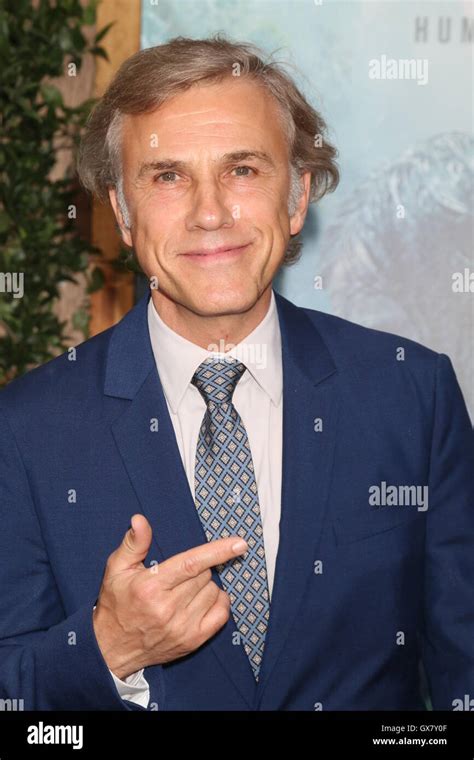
{"x": 392, "y": 248}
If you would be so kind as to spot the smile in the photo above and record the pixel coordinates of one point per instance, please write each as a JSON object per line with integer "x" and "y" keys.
{"x": 216, "y": 254}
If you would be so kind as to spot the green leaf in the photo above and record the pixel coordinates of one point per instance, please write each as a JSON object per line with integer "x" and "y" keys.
{"x": 100, "y": 52}
{"x": 100, "y": 36}
{"x": 5, "y": 221}
{"x": 65, "y": 40}
{"x": 80, "y": 320}
{"x": 90, "y": 13}
{"x": 51, "y": 95}
{"x": 96, "y": 280}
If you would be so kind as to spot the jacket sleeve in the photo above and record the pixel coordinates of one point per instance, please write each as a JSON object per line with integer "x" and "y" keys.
{"x": 448, "y": 639}
{"x": 47, "y": 660}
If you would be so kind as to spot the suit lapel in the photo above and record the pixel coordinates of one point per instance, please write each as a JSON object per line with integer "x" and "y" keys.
{"x": 309, "y": 394}
{"x": 155, "y": 469}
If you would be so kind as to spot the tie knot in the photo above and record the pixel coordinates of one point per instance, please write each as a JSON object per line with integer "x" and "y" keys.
{"x": 216, "y": 379}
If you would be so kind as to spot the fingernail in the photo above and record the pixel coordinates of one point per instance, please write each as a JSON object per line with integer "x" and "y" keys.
{"x": 239, "y": 546}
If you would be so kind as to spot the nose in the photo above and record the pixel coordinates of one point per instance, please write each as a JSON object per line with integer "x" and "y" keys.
{"x": 209, "y": 210}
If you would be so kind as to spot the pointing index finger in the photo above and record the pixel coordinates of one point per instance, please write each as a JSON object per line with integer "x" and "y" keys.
{"x": 189, "y": 564}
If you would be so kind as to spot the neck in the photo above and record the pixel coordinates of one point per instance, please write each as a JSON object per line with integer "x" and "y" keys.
{"x": 216, "y": 331}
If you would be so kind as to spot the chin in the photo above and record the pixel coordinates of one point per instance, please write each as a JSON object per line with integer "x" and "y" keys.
{"x": 216, "y": 302}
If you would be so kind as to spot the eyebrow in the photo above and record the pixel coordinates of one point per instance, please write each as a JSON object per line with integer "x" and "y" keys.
{"x": 171, "y": 164}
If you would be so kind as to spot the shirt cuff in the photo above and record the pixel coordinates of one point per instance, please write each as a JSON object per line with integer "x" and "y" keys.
{"x": 134, "y": 688}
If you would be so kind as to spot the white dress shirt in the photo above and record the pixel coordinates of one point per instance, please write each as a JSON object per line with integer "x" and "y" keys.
{"x": 258, "y": 399}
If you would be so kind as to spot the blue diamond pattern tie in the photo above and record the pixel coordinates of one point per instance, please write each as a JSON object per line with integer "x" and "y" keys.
{"x": 227, "y": 500}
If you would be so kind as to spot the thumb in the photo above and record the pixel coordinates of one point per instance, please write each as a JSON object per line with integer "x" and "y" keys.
{"x": 135, "y": 545}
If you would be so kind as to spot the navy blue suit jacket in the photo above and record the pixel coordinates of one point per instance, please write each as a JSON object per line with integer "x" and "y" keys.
{"x": 362, "y": 593}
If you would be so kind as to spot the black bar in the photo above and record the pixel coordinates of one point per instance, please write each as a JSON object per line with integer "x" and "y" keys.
{"x": 404, "y": 734}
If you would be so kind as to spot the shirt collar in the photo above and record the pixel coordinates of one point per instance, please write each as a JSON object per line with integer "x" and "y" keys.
{"x": 178, "y": 358}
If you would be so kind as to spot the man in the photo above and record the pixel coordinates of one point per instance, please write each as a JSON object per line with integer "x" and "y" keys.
{"x": 214, "y": 410}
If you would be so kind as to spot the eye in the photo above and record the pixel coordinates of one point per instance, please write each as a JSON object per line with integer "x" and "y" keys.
{"x": 238, "y": 168}
{"x": 165, "y": 174}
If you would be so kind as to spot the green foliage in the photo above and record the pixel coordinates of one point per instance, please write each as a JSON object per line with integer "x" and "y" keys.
{"x": 38, "y": 232}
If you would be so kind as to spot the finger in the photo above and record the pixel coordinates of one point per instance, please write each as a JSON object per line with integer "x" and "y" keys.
{"x": 216, "y": 617}
{"x": 186, "y": 565}
{"x": 134, "y": 547}
{"x": 203, "y": 601}
{"x": 185, "y": 592}
{"x": 189, "y": 564}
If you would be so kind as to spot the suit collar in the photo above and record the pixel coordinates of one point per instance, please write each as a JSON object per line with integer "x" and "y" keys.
{"x": 130, "y": 355}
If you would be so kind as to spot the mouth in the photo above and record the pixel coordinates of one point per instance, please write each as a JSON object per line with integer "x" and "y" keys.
{"x": 223, "y": 253}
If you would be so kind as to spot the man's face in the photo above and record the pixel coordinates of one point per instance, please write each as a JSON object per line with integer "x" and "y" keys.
{"x": 189, "y": 192}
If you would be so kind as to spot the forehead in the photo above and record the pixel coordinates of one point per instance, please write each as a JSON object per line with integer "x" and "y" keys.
{"x": 213, "y": 117}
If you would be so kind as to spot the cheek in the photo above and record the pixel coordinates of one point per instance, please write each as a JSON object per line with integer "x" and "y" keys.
{"x": 150, "y": 242}
{"x": 274, "y": 223}
{"x": 261, "y": 201}
{"x": 153, "y": 213}
{"x": 153, "y": 226}
{"x": 265, "y": 217}
{"x": 270, "y": 207}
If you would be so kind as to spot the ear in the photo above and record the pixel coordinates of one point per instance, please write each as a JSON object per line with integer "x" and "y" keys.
{"x": 124, "y": 231}
{"x": 297, "y": 220}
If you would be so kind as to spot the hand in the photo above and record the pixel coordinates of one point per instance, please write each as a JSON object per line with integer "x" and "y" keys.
{"x": 149, "y": 616}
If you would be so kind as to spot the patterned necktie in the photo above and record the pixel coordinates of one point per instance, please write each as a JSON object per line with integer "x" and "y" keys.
{"x": 227, "y": 500}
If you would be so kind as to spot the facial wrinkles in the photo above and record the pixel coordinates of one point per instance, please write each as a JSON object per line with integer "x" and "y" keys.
{"x": 210, "y": 129}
